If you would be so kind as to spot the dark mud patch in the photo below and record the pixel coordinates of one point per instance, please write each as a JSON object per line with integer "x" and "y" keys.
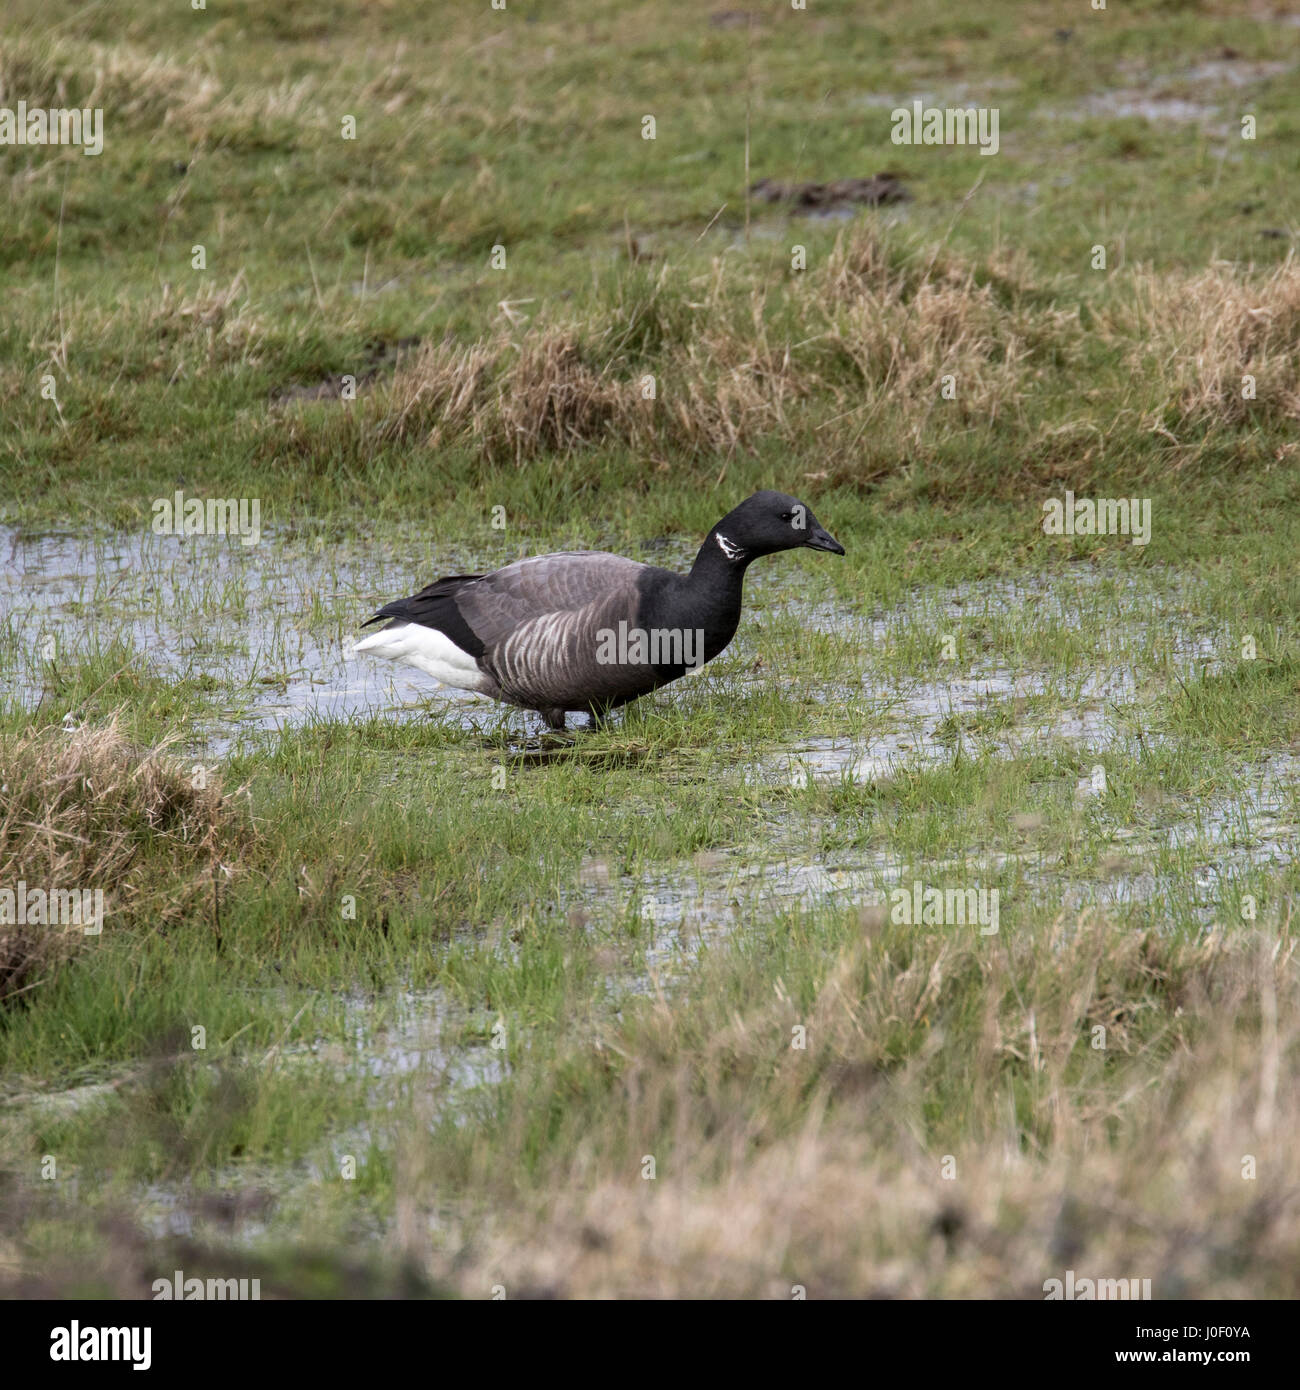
{"x": 876, "y": 191}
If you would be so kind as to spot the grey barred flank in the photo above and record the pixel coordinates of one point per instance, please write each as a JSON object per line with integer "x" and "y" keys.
{"x": 635, "y": 646}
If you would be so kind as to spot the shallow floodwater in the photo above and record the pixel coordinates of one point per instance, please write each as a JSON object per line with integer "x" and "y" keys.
{"x": 1178, "y": 862}
{"x": 270, "y": 623}
{"x": 271, "y": 627}
{"x": 268, "y": 628}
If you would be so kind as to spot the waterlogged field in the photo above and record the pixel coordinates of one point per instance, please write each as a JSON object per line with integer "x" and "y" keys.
{"x": 936, "y": 939}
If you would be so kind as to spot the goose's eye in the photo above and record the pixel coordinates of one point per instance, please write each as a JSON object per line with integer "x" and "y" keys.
{"x": 787, "y": 516}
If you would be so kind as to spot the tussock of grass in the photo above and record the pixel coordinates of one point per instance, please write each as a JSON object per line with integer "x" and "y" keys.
{"x": 512, "y": 401}
{"x": 1207, "y": 332}
{"x": 217, "y": 317}
{"x": 138, "y": 87}
{"x": 824, "y": 1167}
{"x": 854, "y": 354}
{"x": 145, "y": 90}
{"x": 87, "y": 809}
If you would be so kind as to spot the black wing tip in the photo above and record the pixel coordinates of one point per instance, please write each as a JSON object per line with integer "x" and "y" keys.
{"x": 392, "y": 611}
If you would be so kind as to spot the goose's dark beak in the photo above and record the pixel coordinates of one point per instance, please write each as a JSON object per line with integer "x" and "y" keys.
{"x": 821, "y": 539}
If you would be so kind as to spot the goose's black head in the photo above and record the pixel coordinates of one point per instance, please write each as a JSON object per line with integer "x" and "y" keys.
{"x": 768, "y": 522}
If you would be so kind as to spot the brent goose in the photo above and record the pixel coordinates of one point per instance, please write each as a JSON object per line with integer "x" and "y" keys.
{"x": 584, "y": 630}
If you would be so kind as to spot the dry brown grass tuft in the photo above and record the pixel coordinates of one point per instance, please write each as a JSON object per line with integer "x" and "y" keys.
{"x": 878, "y": 355}
{"x": 135, "y": 86}
{"x": 437, "y": 398}
{"x": 550, "y": 399}
{"x": 1003, "y": 1149}
{"x": 1208, "y": 332}
{"x": 214, "y": 323}
{"x": 905, "y": 328}
{"x": 726, "y": 376}
{"x": 87, "y": 810}
{"x": 513, "y": 400}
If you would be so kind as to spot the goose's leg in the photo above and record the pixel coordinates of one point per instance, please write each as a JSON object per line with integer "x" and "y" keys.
{"x": 599, "y": 717}
{"x": 554, "y": 719}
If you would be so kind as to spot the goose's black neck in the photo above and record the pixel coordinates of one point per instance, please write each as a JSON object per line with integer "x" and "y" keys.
{"x": 720, "y": 565}
{"x": 708, "y": 599}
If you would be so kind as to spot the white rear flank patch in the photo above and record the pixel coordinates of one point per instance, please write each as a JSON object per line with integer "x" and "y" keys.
{"x": 428, "y": 650}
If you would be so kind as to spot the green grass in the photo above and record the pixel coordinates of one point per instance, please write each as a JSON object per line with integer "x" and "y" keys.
{"x": 455, "y": 985}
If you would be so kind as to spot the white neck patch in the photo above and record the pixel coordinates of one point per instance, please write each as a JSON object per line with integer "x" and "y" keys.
{"x": 729, "y": 548}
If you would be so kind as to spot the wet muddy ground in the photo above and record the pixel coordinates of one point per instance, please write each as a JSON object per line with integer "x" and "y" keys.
{"x": 267, "y": 628}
